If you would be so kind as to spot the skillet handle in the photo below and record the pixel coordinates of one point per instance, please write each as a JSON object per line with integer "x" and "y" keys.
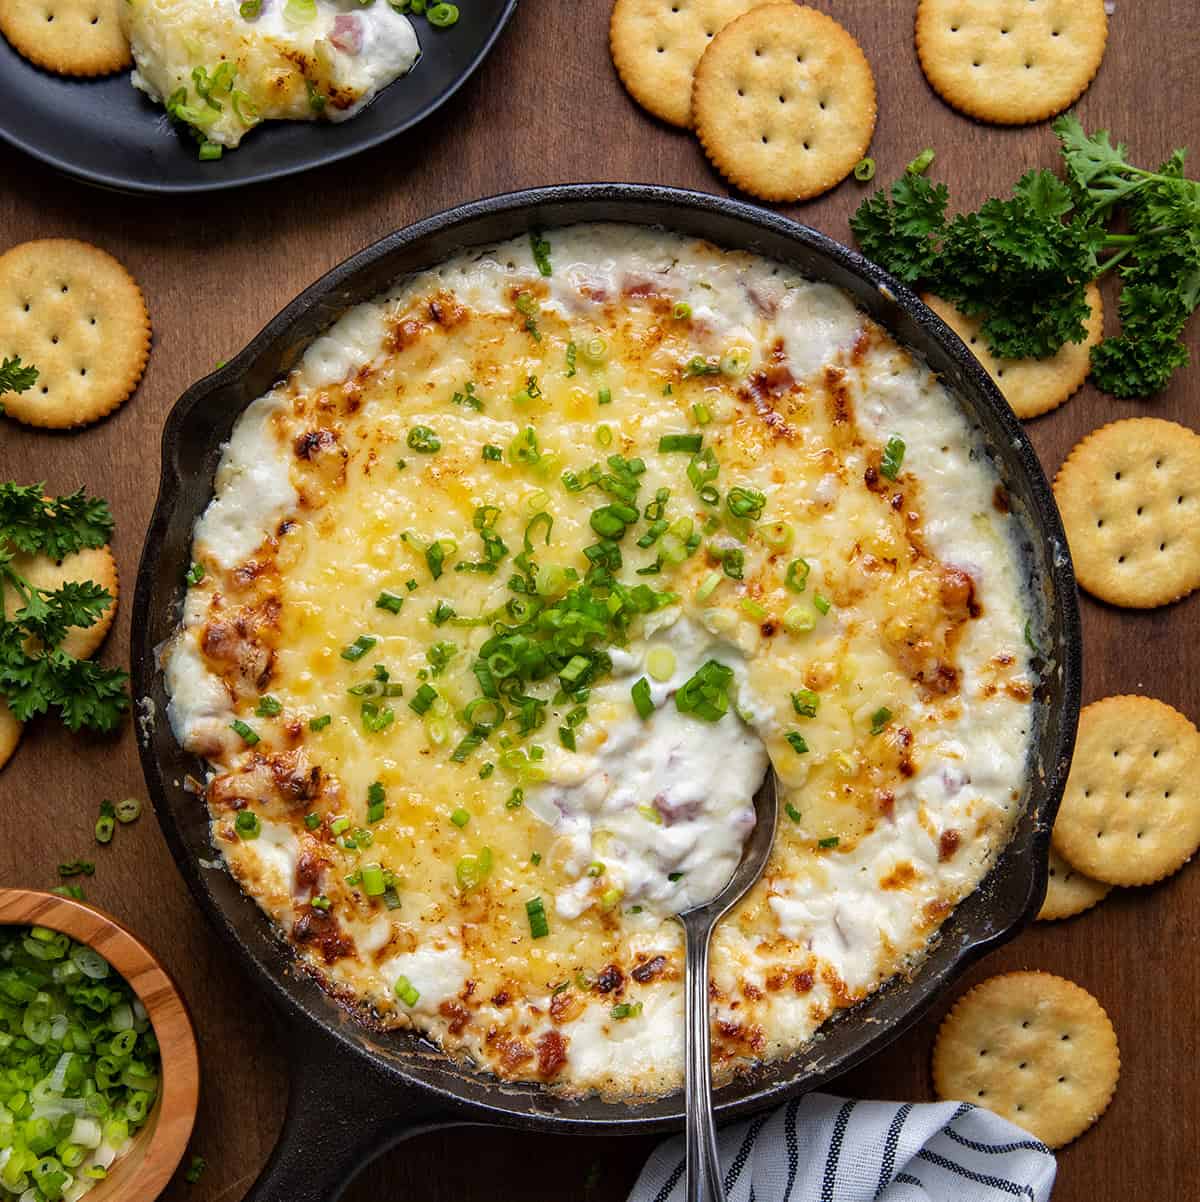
{"x": 341, "y": 1114}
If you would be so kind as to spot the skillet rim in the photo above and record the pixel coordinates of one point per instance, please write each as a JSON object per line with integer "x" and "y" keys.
{"x": 436, "y": 1076}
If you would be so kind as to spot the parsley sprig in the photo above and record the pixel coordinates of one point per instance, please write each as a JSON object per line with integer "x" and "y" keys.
{"x": 36, "y": 674}
{"x": 1021, "y": 264}
{"x": 16, "y": 376}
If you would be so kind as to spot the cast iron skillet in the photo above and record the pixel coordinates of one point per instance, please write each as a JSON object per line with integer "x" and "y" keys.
{"x": 106, "y": 133}
{"x": 354, "y": 1092}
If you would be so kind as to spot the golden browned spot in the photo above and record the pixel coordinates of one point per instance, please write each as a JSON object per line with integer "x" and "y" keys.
{"x": 900, "y": 877}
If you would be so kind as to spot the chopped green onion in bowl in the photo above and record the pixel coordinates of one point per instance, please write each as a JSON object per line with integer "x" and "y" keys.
{"x": 79, "y": 1065}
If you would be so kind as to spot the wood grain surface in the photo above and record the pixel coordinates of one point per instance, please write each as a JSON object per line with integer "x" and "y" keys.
{"x": 547, "y": 108}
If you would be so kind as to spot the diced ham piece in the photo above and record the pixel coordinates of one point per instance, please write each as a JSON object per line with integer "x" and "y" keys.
{"x": 347, "y": 33}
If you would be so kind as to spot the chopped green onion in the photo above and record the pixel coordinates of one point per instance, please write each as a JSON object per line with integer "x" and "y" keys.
{"x": 736, "y": 362}
{"x": 805, "y": 702}
{"x": 539, "y": 927}
{"x": 641, "y": 698}
{"x": 210, "y": 152}
{"x": 832, "y": 841}
{"x": 320, "y": 722}
{"x": 595, "y": 351}
{"x": 423, "y": 699}
{"x": 492, "y": 453}
{"x": 198, "y": 1164}
{"x": 460, "y": 818}
{"x": 247, "y": 733}
{"x": 922, "y": 162}
{"x": 268, "y": 707}
{"x": 796, "y": 578}
{"x": 792, "y": 812}
{"x": 823, "y": 605}
{"x": 701, "y": 413}
{"x": 195, "y": 574}
{"x": 106, "y": 824}
{"x": 128, "y": 809}
{"x": 699, "y": 366}
{"x": 745, "y": 502}
{"x": 682, "y": 311}
{"x": 250, "y": 9}
{"x": 312, "y": 821}
{"x": 753, "y": 609}
{"x": 566, "y": 736}
{"x": 423, "y": 439}
{"x": 77, "y": 868}
{"x": 516, "y": 799}
{"x": 706, "y": 694}
{"x": 406, "y": 991}
{"x": 864, "y": 170}
{"x": 248, "y": 824}
{"x": 733, "y": 563}
{"x": 691, "y": 443}
{"x": 660, "y": 663}
{"x": 373, "y": 882}
{"x": 537, "y": 244}
{"x": 708, "y": 586}
{"x": 389, "y": 601}
{"x": 893, "y": 457}
{"x": 797, "y": 742}
{"x": 879, "y": 719}
{"x": 626, "y": 1010}
{"x": 799, "y": 619}
{"x": 776, "y": 534}
{"x": 604, "y": 397}
{"x": 356, "y": 650}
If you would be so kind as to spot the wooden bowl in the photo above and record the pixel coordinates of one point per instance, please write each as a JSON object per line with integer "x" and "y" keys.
{"x": 142, "y": 1172}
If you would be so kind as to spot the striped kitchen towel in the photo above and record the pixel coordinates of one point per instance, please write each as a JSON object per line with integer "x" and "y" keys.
{"x": 824, "y": 1149}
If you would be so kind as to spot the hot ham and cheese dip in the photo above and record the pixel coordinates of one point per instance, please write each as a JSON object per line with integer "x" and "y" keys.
{"x": 224, "y": 66}
{"x": 510, "y": 593}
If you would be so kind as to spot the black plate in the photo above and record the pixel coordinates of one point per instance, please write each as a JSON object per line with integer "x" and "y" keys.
{"x": 107, "y": 133}
{"x": 354, "y": 1091}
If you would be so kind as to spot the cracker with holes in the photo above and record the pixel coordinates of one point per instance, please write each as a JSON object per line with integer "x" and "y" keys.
{"x": 95, "y": 564}
{"x": 784, "y": 102}
{"x": 10, "y": 733}
{"x": 68, "y": 37}
{"x": 1031, "y": 386}
{"x": 73, "y": 312}
{"x": 1033, "y": 1048}
{"x": 1011, "y": 62}
{"x": 656, "y": 45}
{"x": 1129, "y": 495}
{"x": 1131, "y": 811}
{"x": 1068, "y": 891}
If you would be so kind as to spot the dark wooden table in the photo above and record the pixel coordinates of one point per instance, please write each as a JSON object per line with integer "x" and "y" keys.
{"x": 547, "y": 108}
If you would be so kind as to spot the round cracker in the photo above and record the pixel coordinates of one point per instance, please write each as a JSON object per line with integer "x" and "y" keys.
{"x": 1130, "y": 501}
{"x": 1011, "y": 62}
{"x": 1033, "y": 1048}
{"x": 1068, "y": 891}
{"x": 10, "y": 733}
{"x": 68, "y": 37}
{"x": 1130, "y": 814}
{"x": 784, "y": 102}
{"x": 656, "y": 45}
{"x": 95, "y": 564}
{"x": 1031, "y": 386}
{"x": 73, "y": 312}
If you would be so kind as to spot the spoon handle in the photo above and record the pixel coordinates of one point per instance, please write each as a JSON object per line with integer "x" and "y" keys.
{"x": 703, "y": 1168}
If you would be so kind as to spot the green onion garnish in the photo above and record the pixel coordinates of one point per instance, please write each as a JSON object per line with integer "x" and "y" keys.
{"x": 893, "y": 457}
{"x": 832, "y": 841}
{"x": 423, "y": 699}
{"x": 792, "y": 812}
{"x": 492, "y": 453}
{"x": 823, "y": 605}
{"x": 198, "y": 1164}
{"x": 541, "y": 253}
{"x": 798, "y": 744}
{"x": 320, "y": 722}
{"x": 879, "y": 719}
{"x": 460, "y": 818}
{"x": 922, "y": 162}
{"x": 566, "y": 736}
{"x": 376, "y": 802}
{"x": 373, "y": 882}
{"x": 864, "y": 170}
{"x": 195, "y": 574}
{"x": 805, "y": 703}
{"x": 691, "y": 443}
{"x": 641, "y": 698}
{"x": 128, "y": 809}
{"x": 312, "y": 821}
{"x": 406, "y": 991}
{"x": 626, "y": 1010}
{"x": 356, "y": 650}
{"x": 106, "y": 824}
{"x": 268, "y": 707}
{"x": 248, "y": 824}
{"x": 389, "y": 601}
{"x": 706, "y": 694}
{"x": 539, "y": 928}
{"x": 247, "y": 733}
{"x": 604, "y": 396}
{"x": 796, "y": 578}
{"x": 423, "y": 439}
{"x": 77, "y": 868}
{"x": 745, "y": 502}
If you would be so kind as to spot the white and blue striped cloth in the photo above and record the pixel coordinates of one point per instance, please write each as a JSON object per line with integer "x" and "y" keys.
{"x": 823, "y": 1149}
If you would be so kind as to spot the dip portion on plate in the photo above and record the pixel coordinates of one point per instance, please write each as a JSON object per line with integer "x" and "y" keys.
{"x": 225, "y": 66}
{"x": 508, "y": 594}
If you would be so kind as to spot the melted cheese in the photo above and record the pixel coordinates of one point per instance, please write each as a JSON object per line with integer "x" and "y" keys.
{"x": 890, "y": 821}
{"x": 292, "y": 65}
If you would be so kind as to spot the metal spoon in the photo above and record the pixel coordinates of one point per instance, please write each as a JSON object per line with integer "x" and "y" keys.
{"x": 703, "y": 1168}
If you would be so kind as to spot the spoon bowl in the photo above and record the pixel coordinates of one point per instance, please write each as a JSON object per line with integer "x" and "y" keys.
{"x": 703, "y": 1180}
